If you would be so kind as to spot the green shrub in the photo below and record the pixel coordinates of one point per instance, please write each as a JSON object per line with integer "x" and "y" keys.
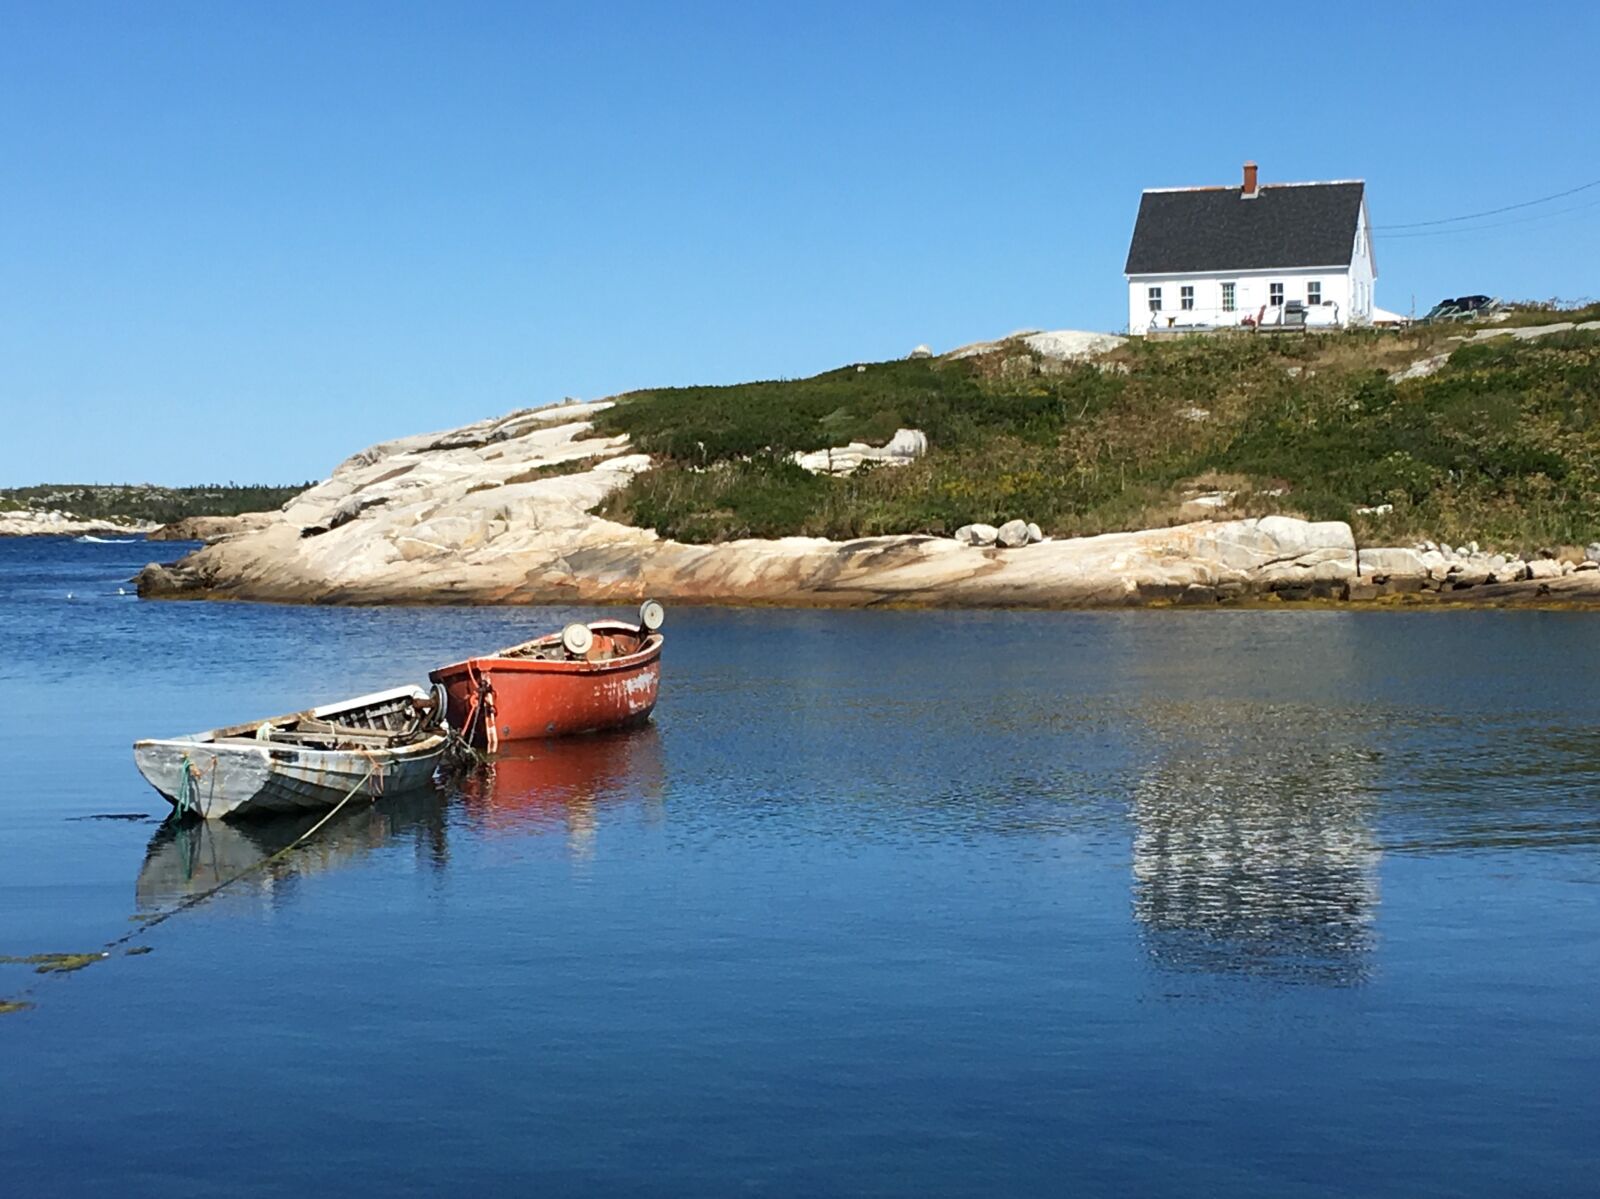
{"x": 1501, "y": 445}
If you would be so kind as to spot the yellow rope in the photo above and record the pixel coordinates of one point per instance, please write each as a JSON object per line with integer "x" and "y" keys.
{"x": 184, "y": 905}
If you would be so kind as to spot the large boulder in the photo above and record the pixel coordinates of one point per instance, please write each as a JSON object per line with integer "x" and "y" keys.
{"x": 1012, "y": 535}
{"x": 1391, "y": 563}
{"x": 906, "y": 446}
{"x": 1060, "y": 345}
{"x": 211, "y": 528}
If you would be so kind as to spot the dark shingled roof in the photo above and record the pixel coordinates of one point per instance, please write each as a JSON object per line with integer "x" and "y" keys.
{"x": 1216, "y": 229}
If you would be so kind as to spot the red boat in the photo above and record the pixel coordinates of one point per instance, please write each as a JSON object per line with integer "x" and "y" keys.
{"x": 602, "y": 675}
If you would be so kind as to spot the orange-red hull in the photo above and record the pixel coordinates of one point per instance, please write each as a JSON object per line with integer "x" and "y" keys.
{"x": 494, "y": 700}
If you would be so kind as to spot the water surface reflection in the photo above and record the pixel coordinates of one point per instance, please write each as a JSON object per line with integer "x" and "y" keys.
{"x": 182, "y": 861}
{"x": 563, "y": 784}
{"x": 556, "y": 786}
{"x": 1253, "y": 850}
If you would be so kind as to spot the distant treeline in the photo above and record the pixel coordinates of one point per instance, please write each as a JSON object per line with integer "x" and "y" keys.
{"x": 143, "y": 501}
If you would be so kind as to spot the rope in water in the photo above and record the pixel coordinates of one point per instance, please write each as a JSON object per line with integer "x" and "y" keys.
{"x": 190, "y": 901}
{"x": 187, "y": 802}
{"x": 188, "y": 799}
{"x": 183, "y": 905}
{"x": 374, "y": 768}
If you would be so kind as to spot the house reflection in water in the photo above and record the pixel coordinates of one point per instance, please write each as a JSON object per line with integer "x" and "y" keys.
{"x": 1252, "y": 849}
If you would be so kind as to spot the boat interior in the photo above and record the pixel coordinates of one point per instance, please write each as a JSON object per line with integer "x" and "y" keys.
{"x": 389, "y": 722}
{"x": 606, "y": 644}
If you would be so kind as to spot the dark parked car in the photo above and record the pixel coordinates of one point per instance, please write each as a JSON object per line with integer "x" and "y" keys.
{"x": 1462, "y": 308}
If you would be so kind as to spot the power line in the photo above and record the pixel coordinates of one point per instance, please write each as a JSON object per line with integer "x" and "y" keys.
{"x": 1472, "y": 216}
{"x": 1525, "y": 220}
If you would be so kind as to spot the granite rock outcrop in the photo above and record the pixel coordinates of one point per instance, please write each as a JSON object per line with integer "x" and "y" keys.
{"x": 501, "y": 511}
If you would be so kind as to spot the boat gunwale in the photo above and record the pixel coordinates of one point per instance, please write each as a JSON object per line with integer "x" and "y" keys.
{"x": 423, "y": 746}
{"x": 235, "y": 734}
{"x": 647, "y": 653}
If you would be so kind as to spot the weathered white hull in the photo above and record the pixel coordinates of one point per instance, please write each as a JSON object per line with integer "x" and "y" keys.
{"x": 235, "y": 780}
{"x": 236, "y": 771}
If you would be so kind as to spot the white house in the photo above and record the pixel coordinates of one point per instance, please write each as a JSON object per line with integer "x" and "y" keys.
{"x": 1209, "y": 257}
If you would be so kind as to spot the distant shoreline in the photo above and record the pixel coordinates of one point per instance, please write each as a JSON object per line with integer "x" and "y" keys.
{"x": 60, "y": 524}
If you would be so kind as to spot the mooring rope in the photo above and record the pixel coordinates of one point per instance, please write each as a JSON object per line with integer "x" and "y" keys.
{"x": 190, "y": 901}
{"x": 183, "y": 905}
{"x": 188, "y": 799}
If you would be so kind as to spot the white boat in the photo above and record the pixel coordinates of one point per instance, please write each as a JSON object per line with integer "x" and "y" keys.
{"x": 387, "y": 742}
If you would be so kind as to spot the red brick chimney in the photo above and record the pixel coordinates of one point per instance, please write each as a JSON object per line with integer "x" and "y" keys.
{"x": 1250, "y": 189}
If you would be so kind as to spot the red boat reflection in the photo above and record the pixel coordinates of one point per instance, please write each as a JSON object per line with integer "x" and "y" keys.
{"x": 563, "y": 784}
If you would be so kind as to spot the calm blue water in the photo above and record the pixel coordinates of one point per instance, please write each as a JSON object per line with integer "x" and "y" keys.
{"x": 888, "y": 903}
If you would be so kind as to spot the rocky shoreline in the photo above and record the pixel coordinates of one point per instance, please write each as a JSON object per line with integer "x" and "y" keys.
{"x": 34, "y": 523}
{"x": 211, "y": 528}
{"x": 499, "y": 512}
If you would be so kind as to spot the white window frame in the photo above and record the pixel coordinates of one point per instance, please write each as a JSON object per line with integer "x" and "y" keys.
{"x": 1275, "y": 294}
{"x": 1229, "y": 297}
{"x": 1313, "y": 291}
{"x": 1186, "y": 297}
{"x": 1152, "y": 297}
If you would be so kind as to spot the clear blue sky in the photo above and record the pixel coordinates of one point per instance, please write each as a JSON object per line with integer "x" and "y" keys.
{"x": 242, "y": 241}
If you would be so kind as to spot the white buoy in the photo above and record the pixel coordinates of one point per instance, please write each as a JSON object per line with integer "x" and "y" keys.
{"x": 70, "y": 595}
{"x": 652, "y": 615}
{"x": 577, "y": 639}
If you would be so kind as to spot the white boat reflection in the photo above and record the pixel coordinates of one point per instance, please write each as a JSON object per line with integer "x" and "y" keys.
{"x": 561, "y": 786}
{"x": 183, "y": 861}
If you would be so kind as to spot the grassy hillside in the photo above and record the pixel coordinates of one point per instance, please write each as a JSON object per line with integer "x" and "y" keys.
{"x": 1501, "y": 446}
{"x": 143, "y": 501}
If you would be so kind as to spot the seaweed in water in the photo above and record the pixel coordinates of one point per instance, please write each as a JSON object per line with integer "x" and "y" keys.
{"x": 115, "y": 816}
{"x": 7, "y": 1006}
{"x": 55, "y": 963}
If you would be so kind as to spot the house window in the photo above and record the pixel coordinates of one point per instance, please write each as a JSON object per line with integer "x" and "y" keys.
{"x": 1275, "y": 294}
{"x": 1186, "y": 298}
{"x": 1314, "y": 292}
{"x": 1154, "y": 294}
{"x": 1227, "y": 297}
